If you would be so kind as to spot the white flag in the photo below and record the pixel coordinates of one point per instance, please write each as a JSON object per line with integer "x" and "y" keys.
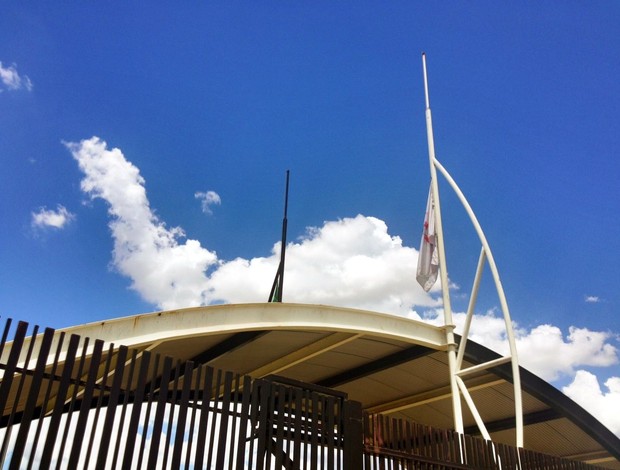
{"x": 428, "y": 259}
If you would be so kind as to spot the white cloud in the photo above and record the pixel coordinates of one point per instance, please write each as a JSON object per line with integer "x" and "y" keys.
{"x": 163, "y": 270}
{"x": 12, "y": 80}
{"x": 351, "y": 262}
{"x": 58, "y": 218}
{"x": 586, "y": 390}
{"x": 546, "y": 352}
{"x": 592, "y": 299}
{"x": 544, "y": 349}
{"x": 207, "y": 200}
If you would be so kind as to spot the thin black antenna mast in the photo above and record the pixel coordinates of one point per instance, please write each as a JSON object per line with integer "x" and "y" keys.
{"x": 278, "y": 283}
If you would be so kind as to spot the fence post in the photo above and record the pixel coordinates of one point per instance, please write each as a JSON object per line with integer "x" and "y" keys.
{"x": 353, "y": 444}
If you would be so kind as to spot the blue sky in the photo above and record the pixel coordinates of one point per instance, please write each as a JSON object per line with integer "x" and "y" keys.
{"x": 222, "y": 98}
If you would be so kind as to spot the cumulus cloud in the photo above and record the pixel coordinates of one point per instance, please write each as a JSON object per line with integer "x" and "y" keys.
{"x": 543, "y": 349}
{"x": 549, "y": 354}
{"x": 351, "y": 262}
{"x": 592, "y": 299}
{"x": 164, "y": 267}
{"x": 586, "y": 390}
{"x": 12, "y": 80}
{"x": 57, "y": 219}
{"x": 207, "y": 200}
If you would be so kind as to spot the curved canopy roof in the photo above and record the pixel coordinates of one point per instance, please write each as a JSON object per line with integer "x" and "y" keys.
{"x": 392, "y": 365}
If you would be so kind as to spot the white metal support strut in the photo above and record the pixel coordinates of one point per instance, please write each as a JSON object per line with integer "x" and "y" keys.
{"x": 443, "y": 270}
{"x": 456, "y": 352}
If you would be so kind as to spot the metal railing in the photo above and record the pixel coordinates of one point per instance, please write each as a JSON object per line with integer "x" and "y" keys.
{"x": 102, "y": 406}
{"x": 391, "y": 443}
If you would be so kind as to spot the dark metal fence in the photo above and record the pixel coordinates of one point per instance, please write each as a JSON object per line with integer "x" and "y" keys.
{"x": 73, "y": 403}
{"x": 70, "y": 402}
{"x": 398, "y": 444}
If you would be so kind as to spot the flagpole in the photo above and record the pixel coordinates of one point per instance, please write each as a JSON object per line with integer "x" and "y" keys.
{"x": 284, "y": 230}
{"x": 443, "y": 267}
{"x": 278, "y": 283}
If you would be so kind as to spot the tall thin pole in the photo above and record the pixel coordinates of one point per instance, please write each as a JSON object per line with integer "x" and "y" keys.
{"x": 443, "y": 267}
{"x": 278, "y": 283}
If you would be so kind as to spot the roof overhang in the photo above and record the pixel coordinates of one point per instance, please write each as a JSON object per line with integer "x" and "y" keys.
{"x": 390, "y": 364}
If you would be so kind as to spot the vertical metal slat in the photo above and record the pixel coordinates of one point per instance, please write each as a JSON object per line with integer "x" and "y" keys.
{"x": 87, "y": 398}
{"x": 224, "y": 419}
{"x": 277, "y": 442}
{"x": 7, "y": 381}
{"x": 262, "y": 423}
{"x": 9, "y": 374}
{"x": 269, "y": 424}
{"x": 102, "y": 391}
{"x": 44, "y": 404}
{"x": 112, "y": 405}
{"x": 214, "y": 420}
{"x": 297, "y": 428}
{"x": 182, "y": 410}
{"x": 314, "y": 431}
{"x": 134, "y": 420}
{"x": 125, "y": 395}
{"x": 204, "y": 417}
{"x": 172, "y": 409}
{"x": 31, "y": 401}
{"x": 61, "y": 394}
{"x": 192, "y": 424}
{"x": 244, "y": 421}
{"x": 11, "y": 364}
{"x": 159, "y": 414}
{"x": 149, "y": 404}
{"x": 329, "y": 430}
{"x": 69, "y": 414}
{"x": 234, "y": 410}
{"x": 5, "y": 335}
{"x": 254, "y": 418}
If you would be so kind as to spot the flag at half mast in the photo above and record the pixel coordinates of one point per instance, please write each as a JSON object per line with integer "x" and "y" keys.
{"x": 428, "y": 259}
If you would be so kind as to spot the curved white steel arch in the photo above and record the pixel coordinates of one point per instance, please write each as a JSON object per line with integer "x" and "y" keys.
{"x": 455, "y": 353}
{"x": 143, "y": 330}
{"x": 486, "y": 254}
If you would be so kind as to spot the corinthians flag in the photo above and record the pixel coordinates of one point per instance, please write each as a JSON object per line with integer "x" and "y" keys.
{"x": 428, "y": 259}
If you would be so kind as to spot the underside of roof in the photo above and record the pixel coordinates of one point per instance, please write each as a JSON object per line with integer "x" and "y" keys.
{"x": 391, "y": 365}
